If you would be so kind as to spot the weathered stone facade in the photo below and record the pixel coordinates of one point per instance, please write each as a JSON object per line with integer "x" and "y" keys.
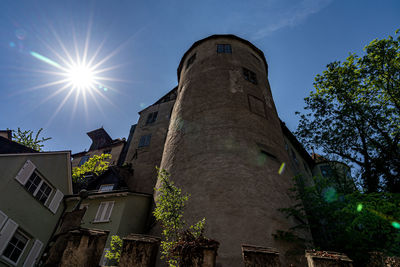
{"x": 223, "y": 144}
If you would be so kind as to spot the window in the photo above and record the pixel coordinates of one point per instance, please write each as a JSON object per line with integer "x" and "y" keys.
{"x": 152, "y": 117}
{"x": 144, "y": 140}
{"x": 106, "y": 187}
{"x": 249, "y": 76}
{"x": 104, "y": 212}
{"x": 83, "y": 160}
{"x": 224, "y": 48}
{"x": 38, "y": 187}
{"x": 191, "y": 60}
{"x": 15, "y": 247}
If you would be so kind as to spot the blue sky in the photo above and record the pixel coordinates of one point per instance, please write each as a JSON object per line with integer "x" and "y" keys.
{"x": 140, "y": 43}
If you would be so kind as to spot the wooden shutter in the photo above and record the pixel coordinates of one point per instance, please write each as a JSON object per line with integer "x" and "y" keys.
{"x": 26, "y": 172}
{"x": 33, "y": 254}
{"x": 55, "y": 202}
{"x": 108, "y": 211}
{"x": 7, "y": 233}
{"x": 3, "y": 219}
{"x": 100, "y": 211}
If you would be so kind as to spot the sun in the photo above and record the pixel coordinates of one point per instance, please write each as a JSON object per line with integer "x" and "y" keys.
{"x": 81, "y": 77}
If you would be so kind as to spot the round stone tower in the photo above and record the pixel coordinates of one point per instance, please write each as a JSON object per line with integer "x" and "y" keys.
{"x": 225, "y": 147}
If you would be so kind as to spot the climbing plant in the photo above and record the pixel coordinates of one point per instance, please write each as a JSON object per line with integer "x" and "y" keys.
{"x": 115, "y": 248}
{"x": 95, "y": 165}
{"x": 170, "y": 204}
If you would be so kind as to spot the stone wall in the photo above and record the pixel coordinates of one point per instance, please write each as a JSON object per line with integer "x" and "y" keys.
{"x": 139, "y": 251}
{"x": 254, "y": 256}
{"x": 327, "y": 259}
{"x": 225, "y": 146}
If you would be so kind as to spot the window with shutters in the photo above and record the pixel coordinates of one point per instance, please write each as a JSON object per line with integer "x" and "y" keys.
{"x": 104, "y": 212}
{"x": 144, "y": 140}
{"x": 38, "y": 187}
{"x": 15, "y": 247}
{"x": 151, "y": 118}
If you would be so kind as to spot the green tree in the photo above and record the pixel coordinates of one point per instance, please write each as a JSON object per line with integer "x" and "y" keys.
{"x": 116, "y": 247}
{"x": 354, "y": 114}
{"x": 353, "y": 223}
{"x": 95, "y": 165}
{"x": 26, "y": 138}
{"x": 169, "y": 210}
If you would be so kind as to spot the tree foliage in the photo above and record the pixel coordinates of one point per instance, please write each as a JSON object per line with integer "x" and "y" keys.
{"x": 26, "y": 138}
{"x": 353, "y": 223}
{"x": 169, "y": 211}
{"x": 115, "y": 249}
{"x": 95, "y": 165}
{"x": 354, "y": 114}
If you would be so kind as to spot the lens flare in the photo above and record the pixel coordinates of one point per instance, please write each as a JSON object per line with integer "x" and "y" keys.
{"x": 359, "y": 207}
{"x": 396, "y": 225}
{"x": 81, "y": 76}
{"x": 330, "y": 194}
{"x": 282, "y": 168}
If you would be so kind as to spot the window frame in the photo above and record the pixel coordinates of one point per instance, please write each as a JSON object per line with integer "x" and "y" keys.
{"x": 106, "y": 185}
{"x": 224, "y": 49}
{"x": 86, "y": 157}
{"x": 35, "y": 193}
{"x": 28, "y": 239}
{"x": 151, "y": 118}
{"x": 102, "y": 217}
{"x": 250, "y": 76}
{"x": 146, "y": 142}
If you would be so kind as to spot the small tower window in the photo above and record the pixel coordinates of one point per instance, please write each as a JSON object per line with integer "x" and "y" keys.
{"x": 249, "y": 76}
{"x": 224, "y": 48}
{"x": 191, "y": 60}
{"x": 144, "y": 140}
{"x": 152, "y": 117}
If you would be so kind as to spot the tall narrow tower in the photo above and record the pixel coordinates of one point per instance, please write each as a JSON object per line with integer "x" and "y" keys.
{"x": 225, "y": 147}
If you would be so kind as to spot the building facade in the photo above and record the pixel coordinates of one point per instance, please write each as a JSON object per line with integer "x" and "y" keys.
{"x": 219, "y": 136}
{"x": 32, "y": 187}
{"x": 102, "y": 143}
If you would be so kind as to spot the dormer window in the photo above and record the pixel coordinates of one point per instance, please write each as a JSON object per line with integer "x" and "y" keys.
{"x": 83, "y": 160}
{"x": 106, "y": 187}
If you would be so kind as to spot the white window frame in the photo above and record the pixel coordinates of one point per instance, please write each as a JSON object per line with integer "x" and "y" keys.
{"x": 38, "y": 187}
{"x": 18, "y": 231}
{"x": 105, "y": 186}
{"x": 102, "y": 212}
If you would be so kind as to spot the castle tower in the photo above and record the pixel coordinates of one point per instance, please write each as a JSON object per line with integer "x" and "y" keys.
{"x": 225, "y": 147}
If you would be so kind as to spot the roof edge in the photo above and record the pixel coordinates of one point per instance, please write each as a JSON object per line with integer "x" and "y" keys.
{"x": 216, "y": 36}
